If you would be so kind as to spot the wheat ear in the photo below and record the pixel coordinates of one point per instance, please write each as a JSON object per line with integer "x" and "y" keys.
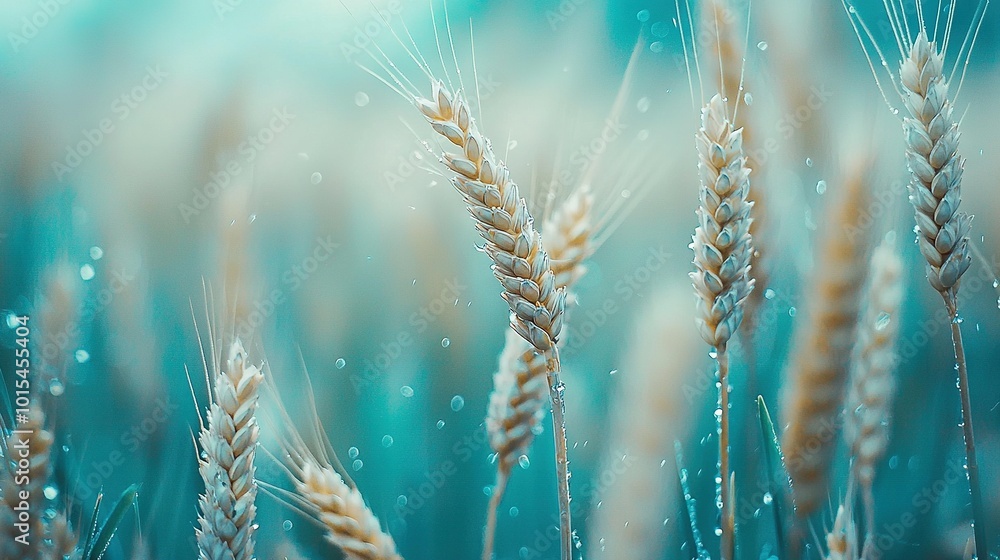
{"x": 519, "y": 261}
{"x": 838, "y": 540}
{"x": 722, "y": 248}
{"x": 819, "y": 366}
{"x": 228, "y": 447}
{"x": 21, "y": 474}
{"x": 519, "y": 396}
{"x": 932, "y": 137}
{"x": 872, "y": 385}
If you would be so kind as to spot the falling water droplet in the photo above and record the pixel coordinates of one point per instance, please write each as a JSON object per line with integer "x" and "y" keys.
{"x": 406, "y": 390}
{"x": 387, "y": 441}
{"x": 361, "y": 99}
{"x": 514, "y": 511}
{"x": 316, "y": 178}
{"x": 511, "y": 145}
{"x": 81, "y": 356}
{"x": 656, "y": 47}
{"x": 440, "y": 424}
{"x": 357, "y": 464}
{"x": 748, "y": 98}
{"x": 340, "y": 363}
{"x": 401, "y": 500}
{"x": 643, "y": 105}
{"x": 767, "y": 498}
{"x": 769, "y": 293}
{"x": 882, "y": 321}
{"x": 287, "y": 525}
{"x": 96, "y": 253}
{"x": 56, "y": 387}
{"x": 50, "y": 492}
{"x": 445, "y": 342}
{"x": 821, "y": 187}
{"x": 626, "y": 193}
{"x": 523, "y": 461}
{"x": 762, "y": 45}
{"x": 642, "y": 16}
{"x": 809, "y": 162}
{"x": 86, "y": 272}
{"x": 457, "y": 403}
{"x": 791, "y": 311}
{"x": 353, "y": 453}
{"x": 659, "y": 29}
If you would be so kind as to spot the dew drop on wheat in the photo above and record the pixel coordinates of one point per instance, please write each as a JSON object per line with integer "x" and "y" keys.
{"x": 316, "y": 178}
{"x": 821, "y": 187}
{"x": 353, "y": 453}
{"x": 357, "y": 465}
{"x": 387, "y": 441}
{"x": 82, "y": 356}
{"x": 87, "y": 272}
{"x": 340, "y": 363}
{"x": 656, "y": 47}
{"x": 445, "y": 342}
{"x": 642, "y": 15}
{"x": 96, "y": 253}
{"x": 659, "y": 29}
{"x": 762, "y": 45}
{"x": 643, "y": 105}
{"x": 287, "y": 525}
{"x": 406, "y": 391}
{"x": 361, "y": 99}
{"x": 457, "y": 403}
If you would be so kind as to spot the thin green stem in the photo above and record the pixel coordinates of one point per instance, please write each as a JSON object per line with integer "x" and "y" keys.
{"x": 556, "y": 390}
{"x": 727, "y": 544}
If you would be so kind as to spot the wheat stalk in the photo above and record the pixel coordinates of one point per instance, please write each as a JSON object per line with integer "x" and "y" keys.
{"x": 932, "y": 137}
{"x": 822, "y": 346}
{"x": 519, "y": 261}
{"x": 519, "y": 395}
{"x": 228, "y": 447}
{"x": 28, "y": 472}
{"x": 872, "y": 385}
{"x": 722, "y": 248}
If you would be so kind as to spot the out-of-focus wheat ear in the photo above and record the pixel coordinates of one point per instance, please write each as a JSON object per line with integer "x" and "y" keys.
{"x": 649, "y": 411}
{"x": 228, "y": 447}
{"x": 520, "y": 262}
{"x": 932, "y": 136}
{"x": 837, "y": 539}
{"x": 722, "y": 248}
{"x": 59, "y": 313}
{"x": 818, "y": 370}
{"x": 869, "y": 402}
{"x": 14, "y": 543}
{"x": 234, "y": 241}
{"x": 60, "y": 540}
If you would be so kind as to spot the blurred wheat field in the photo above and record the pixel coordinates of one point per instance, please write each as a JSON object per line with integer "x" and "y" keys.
{"x": 180, "y": 178}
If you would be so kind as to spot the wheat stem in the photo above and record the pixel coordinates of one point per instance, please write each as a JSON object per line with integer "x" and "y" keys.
{"x": 728, "y": 543}
{"x": 503, "y": 475}
{"x": 972, "y": 465}
{"x": 556, "y": 390}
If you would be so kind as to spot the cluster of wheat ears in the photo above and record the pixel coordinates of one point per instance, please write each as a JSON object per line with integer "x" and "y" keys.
{"x": 842, "y": 360}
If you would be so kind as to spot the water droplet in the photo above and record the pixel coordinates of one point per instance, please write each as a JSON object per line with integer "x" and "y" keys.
{"x": 401, "y": 500}
{"x": 894, "y": 462}
{"x": 457, "y": 403}
{"x": 656, "y": 47}
{"x": 353, "y": 453}
{"x": 357, "y": 464}
{"x": 643, "y": 135}
{"x": 387, "y": 441}
{"x": 791, "y": 311}
{"x": 514, "y": 511}
{"x": 315, "y": 178}
{"x": 821, "y": 187}
{"x": 11, "y": 320}
{"x": 523, "y": 461}
{"x": 809, "y": 162}
{"x": 440, "y": 424}
{"x": 253, "y": 218}
{"x": 361, "y": 99}
{"x": 767, "y": 498}
{"x": 718, "y": 531}
{"x": 406, "y": 390}
{"x": 50, "y": 492}
{"x": 56, "y": 388}
{"x": 748, "y": 98}
{"x": 96, "y": 253}
{"x": 769, "y": 293}
{"x": 81, "y": 356}
{"x": 445, "y": 342}
{"x": 643, "y": 105}
{"x": 626, "y": 193}
{"x": 488, "y": 490}
{"x": 762, "y": 45}
{"x": 340, "y": 363}
{"x": 612, "y": 372}
{"x": 642, "y": 16}
{"x": 287, "y": 525}
{"x": 659, "y": 29}
{"x": 86, "y": 272}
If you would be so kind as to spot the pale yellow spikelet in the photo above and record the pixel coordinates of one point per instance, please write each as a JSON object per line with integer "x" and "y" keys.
{"x": 26, "y": 469}
{"x": 228, "y": 447}
{"x": 818, "y": 370}
{"x": 837, "y": 539}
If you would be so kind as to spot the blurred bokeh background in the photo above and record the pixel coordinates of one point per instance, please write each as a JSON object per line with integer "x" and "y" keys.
{"x": 150, "y": 147}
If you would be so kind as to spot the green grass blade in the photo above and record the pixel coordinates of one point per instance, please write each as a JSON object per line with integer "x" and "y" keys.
{"x": 93, "y": 525}
{"x": 110, "y": 526}
{"x": 690, "y": 506}
{"x": 777, "y": 475}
